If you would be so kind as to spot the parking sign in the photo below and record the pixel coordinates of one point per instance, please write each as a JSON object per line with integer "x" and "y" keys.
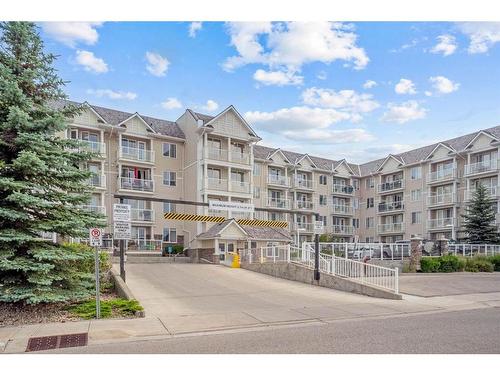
{"x": 95, "y": 236}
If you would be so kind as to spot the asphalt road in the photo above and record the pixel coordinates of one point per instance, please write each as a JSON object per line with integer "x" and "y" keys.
{"x": 465, "y": 332}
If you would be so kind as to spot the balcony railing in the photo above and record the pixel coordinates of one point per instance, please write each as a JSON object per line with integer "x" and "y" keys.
{"x": 140, "y": 244}
{"x": 442, "y": 223}
{"x": 390, "y": 186}
{"x": 492, "y": 191}
{"x": 136, "y": 184}
{"x": 241, "y": 215}
{"x": 217, "y": 154}
{"x": 142, "y": 214}
{"x": 240, "y": 157}
{"x": 278, "y": 180}
{"x": 305, "y": 227}
{"x": 217, "y": 184}
{"x": 441, "y": 199}
{"x": 94, "y": 209}
{"x": 343, "y": 189}
{"x": 303, "y": 205}
{"x": 278, "y": 203}
{"x": 481, "y": 167}
{"x": 391, "y": 228}
{"x": 442, "y": 175}
{"x": 342, "y": 209}
{"x": 390, "y": 206}
{"x": 302, "y": 183}
{"x": 213, "y": 212}
{"x": 240, "y": 186}
{"x": 137, "y": 154}
{"x": 95, "y": 147}
{"x": 97, "y": 180}
{"x": 343, "y": 229}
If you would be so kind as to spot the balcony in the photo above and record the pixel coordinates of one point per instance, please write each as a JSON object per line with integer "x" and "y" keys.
{"x": 389, "y": 207}
{"x": 345, "y": 230}
{"x": 441, "y": 199}
{"x": 240, "y": 187}
{"x": 442, "y": 223}
{"x": 442, "y": 175}
{"x": 97, "y": 181}
{"x": 343, "y": 189}
{"x": 302, "y": 183}
{"x": 278, "y": 203}
{"x": 241, "y": 215}
{"x": 493, "y": 192}
{"x": 216, "y": 184}
{"x": 94, "y": 147}
{"x": 391, "y": 228}
{"x": 278, "y": 180}
{"x": 341, "y": 209}
{"x": 390, "y": 186}
{"x": 240, "y": 157}
{"x": 142, "y": 214}
{"x": 303, "y": 205}
{"x": 101, "y": 210}
{"x": 136, "y": 184}
{"x": 303, "y": 227}
{"x": 481, "y": 167}
{"x": 136, "y": 154}
{"x": 217, "y": 154}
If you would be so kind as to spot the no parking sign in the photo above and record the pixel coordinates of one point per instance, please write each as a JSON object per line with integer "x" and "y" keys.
{"x": 95, "y": 235}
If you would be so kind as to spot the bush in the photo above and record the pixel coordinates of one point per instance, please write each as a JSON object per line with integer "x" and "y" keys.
{"x": 479, "y": 264}
{"x": 495, "y": 260}
{"x": 430, "y": 264}
{"x": 117, "y": 306}
{"x": 451, "y": 263}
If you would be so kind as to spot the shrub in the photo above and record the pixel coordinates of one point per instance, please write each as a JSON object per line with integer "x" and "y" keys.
{"x": 479, "y": 264}
{"x": 451, "y": 263}
{"x": 430, "y": 264}
{"x": 495, "y": 260}
{"x": 117, "y": 306}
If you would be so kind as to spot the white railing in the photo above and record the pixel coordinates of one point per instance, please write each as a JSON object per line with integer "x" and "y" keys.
{"x": 142, "y": 214}
{"x": 138, "y": 244}
{"x": 278, "y": 203}
{"x": 269, "y": 254}
{"x": 442, "y": 174}
{"x": 278, "y": 180}
{"x": 383, "y": 207}
{"x": 446, "y": 222}
{"x": 217, "y": 154}
{"x": 342, "y": 189}
{"x": 136, "y": 184}
{"x": 365, "y": 250}
{"x": 343, "y": 229}
{"x": 468, "y": 249}
{"x": 491, "y": 190}
{"x": 97, "y": 180}
{"x": 240, "y": 157}
{"x": 303, "y": 183}
{"x": 95, "y": 147}
{"x": 481, "y": 167}
{"x": 307, "y": 227}
{"x": 439, "y": 199}
{"x": 217, "y": 183}
{"x": 241, "y": 215}
{"x": 389, "y": 186}
{"x": 303, "y": 205}
{"x": 135, "y": 153}
{"x": 240, "y": 186}
{"x": 341, "y": 209}
{"x": 213, "y": 212}
{"x": 94, "y": 209}
{"x": 391, "y": 228}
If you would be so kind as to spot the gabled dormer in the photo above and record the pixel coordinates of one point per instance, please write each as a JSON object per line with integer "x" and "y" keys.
{"x": 229, "y": 123}
{"x": 440, "y": 152}
{"x": 390, "y": 164}
{"x": 481, "y": 141}
{"x": 343, "y": 169}
{"x": 305, "y": 162}
{"x": 135, "y": 124}
{"x": 278, "y": 157}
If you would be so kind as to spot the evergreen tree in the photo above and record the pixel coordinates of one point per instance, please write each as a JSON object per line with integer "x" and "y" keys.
{"x": 42, "y": 181}
{"x": 479, "y": 219}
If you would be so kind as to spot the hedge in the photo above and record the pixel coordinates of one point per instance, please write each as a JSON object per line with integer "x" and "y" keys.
{"x": 452, "y": 263}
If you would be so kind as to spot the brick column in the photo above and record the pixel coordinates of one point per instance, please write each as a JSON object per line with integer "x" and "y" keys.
{"x": 416, "y": 253}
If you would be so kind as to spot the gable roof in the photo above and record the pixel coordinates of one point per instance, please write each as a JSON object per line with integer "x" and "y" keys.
{"x": 217, "y": 229}
{"x": 440, "y": 144}
{"x": 251, "y": 232}
{"x": 343, "y": 161}
{"x": 304, "y": 157}
{"x": 394, "y": 157}
{"x": 207, "y": 121}
{"x": 482, "y": 132}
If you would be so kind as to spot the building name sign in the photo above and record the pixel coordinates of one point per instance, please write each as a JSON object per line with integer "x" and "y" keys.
{"x": 231, "y": 206}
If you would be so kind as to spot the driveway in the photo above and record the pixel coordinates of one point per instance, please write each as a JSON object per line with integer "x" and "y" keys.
{"x": 448, "y": 284}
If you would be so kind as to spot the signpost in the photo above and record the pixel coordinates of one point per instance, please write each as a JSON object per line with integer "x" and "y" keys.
{"x": 318, "y": 229}
{"x": 122, "y": 230}
{"x": 95, "y": 239}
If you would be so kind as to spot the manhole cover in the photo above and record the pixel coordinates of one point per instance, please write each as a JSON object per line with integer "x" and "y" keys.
{"x": 55, "y": 342}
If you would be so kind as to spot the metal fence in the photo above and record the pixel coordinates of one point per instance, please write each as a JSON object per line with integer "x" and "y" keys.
{"x": 361, "y": 250}
{"x": 269, "y": 254}
{"x": 468, "y": 249}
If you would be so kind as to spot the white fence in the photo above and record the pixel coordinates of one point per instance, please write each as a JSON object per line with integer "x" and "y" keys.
{"x": 270, "y": 254}
{"x": 362, "y": 250}
{"x": 469, "y": 249}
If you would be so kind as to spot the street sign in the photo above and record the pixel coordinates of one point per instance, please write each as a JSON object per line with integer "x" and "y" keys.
{"x": 122, "y": 230}
{"x": 230, "y": 206}
{"x": 95, "y": 235}
{"x": 318, "y": 227}
{"x": 121, "y": 212}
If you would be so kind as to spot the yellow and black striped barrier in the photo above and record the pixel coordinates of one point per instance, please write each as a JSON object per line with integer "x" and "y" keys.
{"x": 220, "y": 219}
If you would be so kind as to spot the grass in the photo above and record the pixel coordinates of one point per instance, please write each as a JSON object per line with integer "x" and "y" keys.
{"x": 116, "y": 307}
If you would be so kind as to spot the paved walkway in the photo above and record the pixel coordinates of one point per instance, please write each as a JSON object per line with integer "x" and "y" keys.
{"x": 187, "y": 299}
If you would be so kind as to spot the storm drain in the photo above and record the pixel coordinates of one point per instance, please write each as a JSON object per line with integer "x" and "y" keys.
{"x": 55, "y": 342}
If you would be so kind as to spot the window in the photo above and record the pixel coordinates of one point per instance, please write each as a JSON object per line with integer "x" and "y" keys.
{"x": 369, "y": 222}
{"x": 322, "y": 200}
{"x": 324, "y": 219}
{"x": 416, "y": 173}
{"x": 322, "y": 179}
{"x": 416, "y": 217}
{"x": 168, "y": 207}
{"x": 355, "y": 223}
{"x": 170, "y": 235}
{"x": 416, "y": 195}
{"x": 170, "y": 150}
{"x": 370, "y": 183}
{"x": 169, "y": 178}
{"x": 256, "y": 169}
{"x": 256, "y": 192}
{"x": 355, "y": 203}
{"x": 369, "y": 202}
{"x": 355, "y": 184}
{"x": 369, "y": 240}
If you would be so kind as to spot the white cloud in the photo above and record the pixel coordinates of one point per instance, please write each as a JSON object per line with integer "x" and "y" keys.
{"x": 287, "y": 46}
{"x": 210, "y": 106}
{"x": 307, "y": 124}
{"x": 482, "y": 35}
{"x": 194, "y": 27}
{"x": 346, "y": 101}
{"x": 404, "y": 112}
{"x": 322, "y": 75}
{"x": 157, "y": 64}
{"x": 278, "y": 78}
{"x": 405, "y": 86}
{"x": 447, "y": 45}
{"x": 369, "y": 84}
{"x": 171, "y": 103}
{"x": 111, "y": 94}
{"x": 90, "y": 62}
{"x": 71, "y": 33}
{"x": 443, "y": 85}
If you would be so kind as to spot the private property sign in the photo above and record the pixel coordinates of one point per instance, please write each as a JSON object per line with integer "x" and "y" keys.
{"x": 121, "y": 212}
{"x": 230, "y": 206}
{"x": 122, "y": 229}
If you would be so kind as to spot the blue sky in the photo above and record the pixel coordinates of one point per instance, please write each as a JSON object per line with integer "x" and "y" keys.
{"x": 340, "y": 90}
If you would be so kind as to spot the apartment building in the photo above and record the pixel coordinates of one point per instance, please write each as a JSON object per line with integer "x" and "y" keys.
{"x": 201, "y": 158}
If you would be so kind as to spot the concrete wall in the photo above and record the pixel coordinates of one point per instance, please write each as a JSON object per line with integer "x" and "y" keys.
{"x": 295, "y": 272}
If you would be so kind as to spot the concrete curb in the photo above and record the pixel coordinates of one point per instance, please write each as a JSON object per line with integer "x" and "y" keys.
{"x": 124, "y": 291}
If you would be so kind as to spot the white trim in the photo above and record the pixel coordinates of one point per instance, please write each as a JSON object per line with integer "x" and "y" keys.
{"x": 231, "y": 107}
{"x": 85, "y": 103}
{"x": 387, "y": 158}
{"x": 139, "y": 117}
{"x": 482, "y": 132}
{"x": 343, "y": 161}
{"x": 282, "y": 154}
{"x": 435, "y": 148}
{"x": 303, "y": 157}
